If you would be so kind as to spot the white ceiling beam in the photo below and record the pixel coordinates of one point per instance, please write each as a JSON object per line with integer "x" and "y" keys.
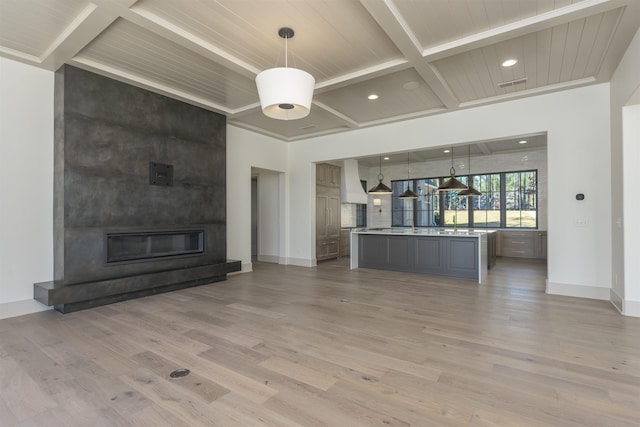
{"x": 18, "y": 56}
{"x": 512, "y": 30}
{"x": 362, "y": 75}
{"x": 167, "y": 30}
{"x": 391, "y": 21}
{"x": 89, "y": 23}
{"x": 346, "y": 120}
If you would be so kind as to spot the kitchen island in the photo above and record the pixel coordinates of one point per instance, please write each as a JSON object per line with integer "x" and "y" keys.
{"x": 443, "y": 252}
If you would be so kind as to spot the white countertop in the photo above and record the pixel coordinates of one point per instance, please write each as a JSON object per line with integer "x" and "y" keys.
{"x": 449, "y": 232}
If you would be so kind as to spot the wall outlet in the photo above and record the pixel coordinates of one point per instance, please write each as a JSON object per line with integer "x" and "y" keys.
{"x": 581, "y": 222}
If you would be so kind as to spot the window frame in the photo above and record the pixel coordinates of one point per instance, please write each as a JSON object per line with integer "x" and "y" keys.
{"x": 399, "y": 216}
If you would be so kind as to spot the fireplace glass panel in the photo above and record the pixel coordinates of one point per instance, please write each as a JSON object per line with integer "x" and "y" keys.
{"x": 157, "y": 244}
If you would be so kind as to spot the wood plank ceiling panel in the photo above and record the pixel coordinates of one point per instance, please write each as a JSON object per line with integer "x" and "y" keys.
{"x": 435, "y": 22}
{"x": 603, "y": 37}
{"x": 30, "y": 26}
{"x": 555, "y": 55}
{"x": 317, "y": 121}
{"x": 134, "y": 50}
{"x": 326, "y": 41}
{"x": 393, "y": 97}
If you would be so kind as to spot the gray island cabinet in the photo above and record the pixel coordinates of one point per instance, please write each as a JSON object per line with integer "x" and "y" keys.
{"x": 440, "y": 252}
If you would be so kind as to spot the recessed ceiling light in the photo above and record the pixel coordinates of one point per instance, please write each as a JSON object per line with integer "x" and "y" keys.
{"x": 509, "y": 62}
{"x": 446, "y": 151}
{"x": 386, "y": 158}
{"x": 372, "y": 97}
{"x": 522, "y": 142}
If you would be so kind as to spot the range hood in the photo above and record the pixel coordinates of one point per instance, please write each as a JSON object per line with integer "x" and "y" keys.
{"x": 352, "y": 191}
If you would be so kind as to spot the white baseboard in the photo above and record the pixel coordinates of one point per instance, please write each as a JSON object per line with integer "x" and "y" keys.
{"x": 269, "y": 258}
{"x": 19, "y": 308}
{"x": 616, "y": 301}
{"x": 631, "y": 308}
{"x": 580, "y": 291}
{"x": 301, "y": 262}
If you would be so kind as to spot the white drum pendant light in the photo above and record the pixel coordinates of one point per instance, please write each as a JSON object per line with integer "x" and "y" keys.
{"x": 285, "y": 93}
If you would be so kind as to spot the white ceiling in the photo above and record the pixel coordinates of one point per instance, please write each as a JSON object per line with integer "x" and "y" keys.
{"x": 460, "y": 152}
{"x": 208, "y": 52}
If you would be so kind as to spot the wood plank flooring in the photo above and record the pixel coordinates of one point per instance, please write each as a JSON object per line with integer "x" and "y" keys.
{"x": 327, "y": 346}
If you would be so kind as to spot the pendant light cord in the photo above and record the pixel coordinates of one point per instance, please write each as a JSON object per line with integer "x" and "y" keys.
{"x": 286, "y": 52}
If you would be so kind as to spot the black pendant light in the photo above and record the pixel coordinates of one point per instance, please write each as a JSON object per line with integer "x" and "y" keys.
{"x": 408, "y": 194}
{"x": 470, "y": 191}
{"x": 380, "y": 188}
{"x": 453, "y": 184}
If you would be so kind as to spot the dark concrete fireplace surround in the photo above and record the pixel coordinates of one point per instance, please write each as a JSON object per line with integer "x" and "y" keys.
{"x": 110, "y": 138}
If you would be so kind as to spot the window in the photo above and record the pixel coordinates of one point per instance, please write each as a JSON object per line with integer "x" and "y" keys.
{"x": 455, "y": 211}
{"x": 425, "y": 209}
{"x": 521, "y": 199}
{"x": 486, "y": 208}
{"x": 508, "y": 200}
{"x": 361, "y": 209}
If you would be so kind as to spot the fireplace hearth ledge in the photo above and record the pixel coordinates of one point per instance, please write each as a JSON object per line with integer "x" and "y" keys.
{"x": 67, "y": 298}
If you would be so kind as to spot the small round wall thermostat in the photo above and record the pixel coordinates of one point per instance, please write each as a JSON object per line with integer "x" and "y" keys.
{"x": 579, "y": 196}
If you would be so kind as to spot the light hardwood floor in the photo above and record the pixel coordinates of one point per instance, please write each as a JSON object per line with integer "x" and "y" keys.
{"x": 326, "y": 346}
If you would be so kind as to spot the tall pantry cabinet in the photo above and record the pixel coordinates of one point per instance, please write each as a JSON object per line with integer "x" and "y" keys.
{"x": 327, "y": 211}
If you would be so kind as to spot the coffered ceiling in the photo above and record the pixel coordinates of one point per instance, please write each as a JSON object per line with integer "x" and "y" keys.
{"x": 421, "y": 57}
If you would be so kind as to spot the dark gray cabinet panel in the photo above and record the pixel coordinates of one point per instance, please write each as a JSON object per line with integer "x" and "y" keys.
{"x": 372, "y": 251}
{"x": 399, "y": 252}
{"x": 447, "y": 256}
{"x": 429, "y": 254}
{"x": 462, "y": 257}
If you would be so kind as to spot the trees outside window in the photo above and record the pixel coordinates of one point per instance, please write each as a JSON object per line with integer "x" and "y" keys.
{"x": 508, "y": 200}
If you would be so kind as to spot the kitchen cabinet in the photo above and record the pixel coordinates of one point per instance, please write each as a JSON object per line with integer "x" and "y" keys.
{"x": 344, "y": 241}
{"x": 492, "y": 248}
{"x": 444, "y": 254}
{"x": 522, "y": 244}
{"x": 327, "y": 211}
{"x": 541, "y": 245}
{"x": 327, "y": 175}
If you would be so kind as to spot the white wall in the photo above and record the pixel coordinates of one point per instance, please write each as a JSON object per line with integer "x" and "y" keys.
{"x": 269, "y": 217}
{"x": 245, "y": 150}
{"x": 625, "y": 177}
{"x": 26, "y": 185}
{"x": 579, "y": 160}
{"x": 577, "y": 124}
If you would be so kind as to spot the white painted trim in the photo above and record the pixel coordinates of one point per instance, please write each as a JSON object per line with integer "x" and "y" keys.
{"x": 513, "y": 29}
{"x": 269, "y": 258}
{"x": 302, "y": 262}
{"x": 19, "y": 308}
{"x": 616, "y": 300}
{"x": 580, "y": 291}
{"x": 282, "y": 260}
{"x": 631, "y": 308}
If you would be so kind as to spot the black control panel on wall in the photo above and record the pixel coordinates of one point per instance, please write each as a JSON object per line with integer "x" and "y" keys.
{"x": 160, "y": 174}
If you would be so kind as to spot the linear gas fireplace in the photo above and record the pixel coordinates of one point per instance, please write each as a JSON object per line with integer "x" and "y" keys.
{"x": 139, "y": 194}
{"x": 146, "y": 245}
